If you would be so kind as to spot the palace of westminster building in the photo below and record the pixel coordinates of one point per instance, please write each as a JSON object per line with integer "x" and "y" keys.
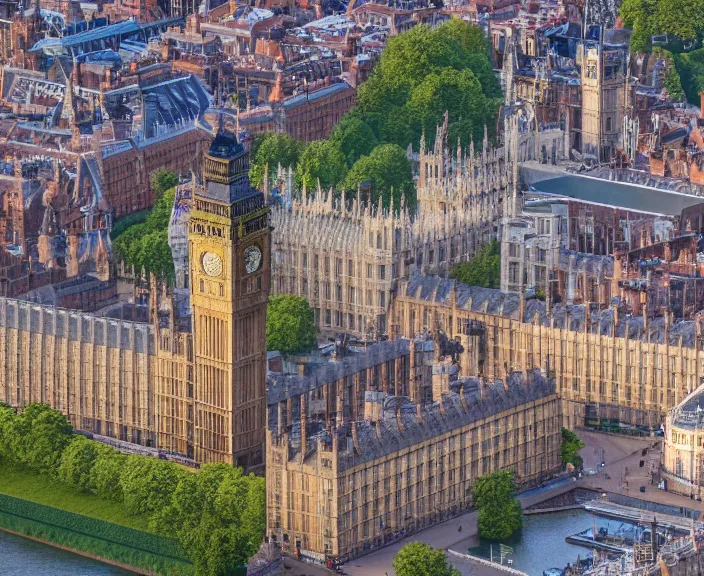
{"x": 432, "y": 383}
{"x": 388, "y": 437}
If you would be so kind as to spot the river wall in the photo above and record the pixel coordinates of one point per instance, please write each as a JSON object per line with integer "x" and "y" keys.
{"x": 127, "y": 548}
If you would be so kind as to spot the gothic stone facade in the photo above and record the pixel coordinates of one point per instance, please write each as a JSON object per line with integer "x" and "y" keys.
{"x": 683, "y": 452}
{"x": 193, "y": 379}
{"x": 352, "y": 462}
{"x": 630, "y": 368}
{"x": 346, "y": 258}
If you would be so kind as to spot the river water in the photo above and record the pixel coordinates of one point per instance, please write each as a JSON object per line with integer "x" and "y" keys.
{"x": 23, "y": 557}
{"x": 541, "y": 543}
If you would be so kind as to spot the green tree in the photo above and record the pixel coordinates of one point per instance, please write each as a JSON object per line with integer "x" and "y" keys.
{"x": 254, "y": 513}
{"x": 162, "y": 180}
{"x": 638, "y": 15}
{"x": 673, "y": 84}
{"x": 411, "y": 56}
{"x": 290, "y": 324}
{"x": 39, "y": 437}
{"x": 641, "y": 37}
{"x": 354, "y": 137}
{"x": 500, "y": 513}
{"x": 106, "y": 472}
{"x": 690, "y": 68}
{"x": 378, "y": 98}
{"x": 148, "y": 484}
{"x": 218, "y": 516}
{"x": 469, "y": 37}
{"x": 482, "y": 270}
{"x": 146, "y": 245}
{"x": 272, "y": 149}
{"x": 7, "y": 428}
{"x": 472, "y": 45}
{"x": 386, "y": 169}
{"x": 569, "y": 450}
{"x": 324, "y": 162}
{"x": 681, "y": 18}
{"x": 418, "y": 559}
{"x": 398, "y": 127}
{"x": 77, "y": 462}
{"x": 422, "y": 65}
{"x": 457, "y": 93}
{"x": 154, "y": 254}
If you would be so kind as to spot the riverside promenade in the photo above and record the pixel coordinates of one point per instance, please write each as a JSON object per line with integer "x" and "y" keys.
{"x": 619, "y": 453}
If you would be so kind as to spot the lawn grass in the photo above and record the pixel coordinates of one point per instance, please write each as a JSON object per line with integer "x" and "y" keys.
{"x": 30, "y": 486}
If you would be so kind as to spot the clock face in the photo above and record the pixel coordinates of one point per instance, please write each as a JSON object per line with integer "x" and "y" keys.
{"x": 212, "y": 264}
{"x": 252, "y": 259}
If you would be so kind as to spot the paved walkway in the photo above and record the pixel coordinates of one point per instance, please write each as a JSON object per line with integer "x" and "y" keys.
{"x": 619, "y": 453}
{"x": 444, "y": 536}
{"x": 625, "y": 476}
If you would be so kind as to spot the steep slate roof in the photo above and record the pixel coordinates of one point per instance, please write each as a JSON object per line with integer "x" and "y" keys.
{"x": 566, "y": 317}
{"x": 464, "y": 405}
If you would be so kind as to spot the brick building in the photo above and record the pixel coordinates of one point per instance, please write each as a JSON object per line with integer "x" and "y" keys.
{"x": 308, "y": 116}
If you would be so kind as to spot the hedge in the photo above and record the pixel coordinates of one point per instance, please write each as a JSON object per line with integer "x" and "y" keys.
{"x": 100, "y": 548}
{"x": 93, "y": 528}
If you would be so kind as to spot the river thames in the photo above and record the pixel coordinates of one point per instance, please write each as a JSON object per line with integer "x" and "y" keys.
{"x": 22, "y": 557}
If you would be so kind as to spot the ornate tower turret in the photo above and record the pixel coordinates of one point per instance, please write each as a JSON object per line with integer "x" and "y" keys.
{"x": 229, "y": 252}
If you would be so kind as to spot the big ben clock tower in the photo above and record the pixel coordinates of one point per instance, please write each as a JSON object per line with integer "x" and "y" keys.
{"x": 229, "y": 251}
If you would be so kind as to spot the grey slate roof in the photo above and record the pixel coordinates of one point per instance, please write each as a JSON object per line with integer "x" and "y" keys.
{"x": 572, "y": 317}
{"x": 438, "y": 420}
{"x": 619, "y": 194}
{"x": 283, "y": 386}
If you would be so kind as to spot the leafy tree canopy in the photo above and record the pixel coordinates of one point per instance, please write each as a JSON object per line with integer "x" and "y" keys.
{"x": 146, "y": 245}
{"x": 418, "y": 559}
{"x": 324, "y": 162}
{"x": 217, "y": 514}
{"x": 355, "y": 138}
{"x": 571, "y": 445}
{"x": 290, "y": 324}
{"x": 148, "y": 484}
{"x": 500, "y": 513}
{"x": 105, "y": 474}
{"x": 483, "y": 270}
{"x": 270, "y": 150}
{"x": 679, "y": 19}
{"x": 422, "y": 74}
{"x": 425, "y": 56}
{"x": 7, "y": 423}
{"x": 690, "y": 68}
{"x": 38, "y": 437}
{"x": 161, "y": 181}
{"x": 77, "y": 463}
{"x": 385, "y": 170}
{"x": 457, "y": 93}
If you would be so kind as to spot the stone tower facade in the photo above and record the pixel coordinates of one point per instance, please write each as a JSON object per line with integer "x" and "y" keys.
{"x": 229, "y": 254}
{"x": 603, "y": 98}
